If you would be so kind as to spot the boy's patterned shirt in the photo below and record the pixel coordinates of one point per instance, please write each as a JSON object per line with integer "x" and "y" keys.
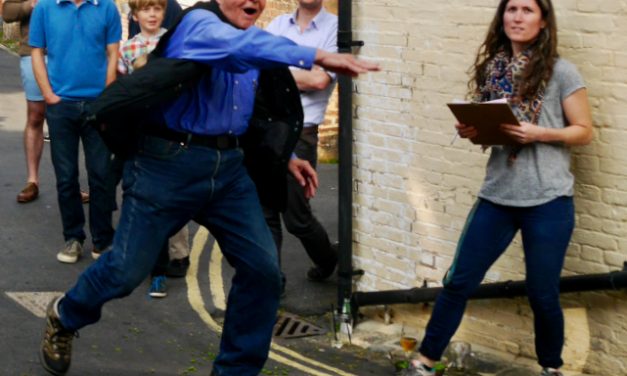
{"x": 135, "y": 47}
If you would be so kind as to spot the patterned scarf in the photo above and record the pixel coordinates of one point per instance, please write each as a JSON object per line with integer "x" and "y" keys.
{"x": 503, "y": 80}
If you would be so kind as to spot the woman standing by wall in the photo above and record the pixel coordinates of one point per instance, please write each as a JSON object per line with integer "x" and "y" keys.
{"x": 528, "y": 186}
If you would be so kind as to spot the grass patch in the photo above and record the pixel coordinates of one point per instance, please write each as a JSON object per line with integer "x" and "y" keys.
{"x": 11, "y": 44}
{"x": 329, "y": 160}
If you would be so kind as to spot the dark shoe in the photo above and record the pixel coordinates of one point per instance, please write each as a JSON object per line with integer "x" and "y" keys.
{"x": 319, "y": 274}
{"x": 177, "y": 268}
{"x": 84, "y": 197}
{"x": 55, "y": 353}
{"x": 29, "y": 193}
{"x": 158, "y": 289}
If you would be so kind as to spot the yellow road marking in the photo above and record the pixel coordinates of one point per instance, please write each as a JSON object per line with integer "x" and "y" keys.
{"x": 310, "y": 371}
{"x": 302, "y": 358}
{"x": 193, "y": 290}
{"x": 215, "y": 277}
{"x": 215, "y": 274}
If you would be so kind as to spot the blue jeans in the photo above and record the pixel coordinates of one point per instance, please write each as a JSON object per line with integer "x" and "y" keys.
{"x": 66, "y": 130}
{"x": 165, "y": 186}
{"x": 546, "y": 230}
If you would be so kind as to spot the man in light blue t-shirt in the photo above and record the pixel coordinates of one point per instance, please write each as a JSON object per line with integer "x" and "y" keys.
{"x": 81, "y": 38}
{"x": 312, "y": 26}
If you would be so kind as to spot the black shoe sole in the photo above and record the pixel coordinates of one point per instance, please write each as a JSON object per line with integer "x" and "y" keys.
{"x": 177, "y": 271}
{"x": 175, "y": 274}
{"x": 43, "y": 363}
{"x": 321, "y": 275}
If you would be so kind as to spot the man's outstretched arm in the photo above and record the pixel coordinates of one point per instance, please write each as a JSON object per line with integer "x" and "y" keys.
{"x": 344, "y": 63}
{"x": 203, "y": 37}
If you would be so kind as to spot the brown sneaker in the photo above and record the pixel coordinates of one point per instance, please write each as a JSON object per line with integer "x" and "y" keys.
{"x": 97, "y": 252}
{"x": 55, "y": 353}
{"x": 29, "y": 193}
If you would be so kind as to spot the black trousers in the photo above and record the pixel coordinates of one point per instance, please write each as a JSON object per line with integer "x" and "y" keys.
{"x": 298, "y": 217}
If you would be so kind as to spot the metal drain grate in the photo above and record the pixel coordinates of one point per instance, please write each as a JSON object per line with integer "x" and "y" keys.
{"x": 291, "y": 326}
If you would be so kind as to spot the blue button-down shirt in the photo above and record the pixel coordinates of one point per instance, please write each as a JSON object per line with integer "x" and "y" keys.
{"x": 223, "y": 102}
{"x": 320, "y": 33}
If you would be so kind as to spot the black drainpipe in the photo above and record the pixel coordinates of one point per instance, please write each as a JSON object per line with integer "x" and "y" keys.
{"x": 607, "y": 281}
{"x": 345, "y": 155}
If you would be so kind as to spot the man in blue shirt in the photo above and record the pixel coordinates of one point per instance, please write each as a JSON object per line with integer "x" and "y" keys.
{"x": 81, "y": 38}
{"x": 193, "y": 170}
{"x": 311, "y": 25}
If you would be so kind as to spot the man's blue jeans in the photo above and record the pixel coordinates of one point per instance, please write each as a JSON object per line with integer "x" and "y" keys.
{"x": 546, "y": 231}
{"x": 66, "y": 129}
{"x": 165, "y": 186}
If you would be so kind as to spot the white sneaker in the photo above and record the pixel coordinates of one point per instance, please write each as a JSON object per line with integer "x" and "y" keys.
{"x": 551, "y": 372}
{"x": 417, "y": 368}
{"x": 71, "y": 252}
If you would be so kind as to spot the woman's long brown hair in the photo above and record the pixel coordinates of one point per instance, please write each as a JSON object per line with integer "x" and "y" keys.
{"x": 543, "y": 51}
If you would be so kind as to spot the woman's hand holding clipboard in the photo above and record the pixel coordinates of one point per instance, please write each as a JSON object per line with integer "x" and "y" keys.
{"x": 481, "y": 122}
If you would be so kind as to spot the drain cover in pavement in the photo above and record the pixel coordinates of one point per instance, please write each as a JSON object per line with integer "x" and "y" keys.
{"x": 291, "y": 326}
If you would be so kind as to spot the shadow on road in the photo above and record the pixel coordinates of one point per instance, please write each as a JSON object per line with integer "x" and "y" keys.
{"x": 10, "y": 77}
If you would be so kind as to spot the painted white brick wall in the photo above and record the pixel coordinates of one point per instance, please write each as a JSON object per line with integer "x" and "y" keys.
{"x": 414, "y": 189}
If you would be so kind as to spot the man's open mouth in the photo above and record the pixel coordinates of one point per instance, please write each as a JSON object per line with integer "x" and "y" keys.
{"x": 250, "y": 11}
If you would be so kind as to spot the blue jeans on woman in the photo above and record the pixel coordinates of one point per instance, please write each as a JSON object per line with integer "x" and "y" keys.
{"x": 66, "y": 129}
{"x": 546, "y": 231}
{"x": 165, "y": 186}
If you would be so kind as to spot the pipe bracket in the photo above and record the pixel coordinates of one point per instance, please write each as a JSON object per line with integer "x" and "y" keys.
{"x": 345, "y": 41}
{"x": 349, "y": 44}
{"x": 353, "y": 273}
